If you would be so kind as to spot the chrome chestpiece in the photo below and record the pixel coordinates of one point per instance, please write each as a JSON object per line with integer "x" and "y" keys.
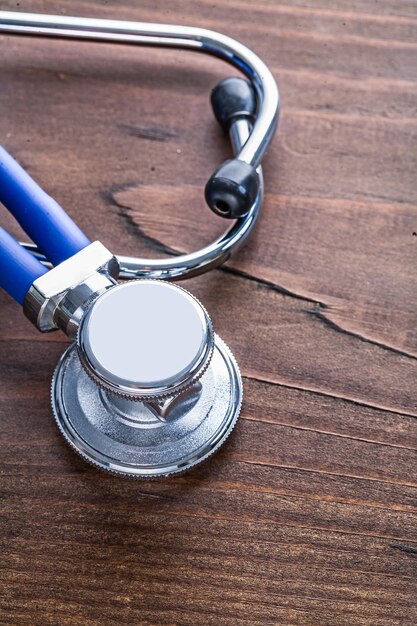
{"x": 148, "y": 389}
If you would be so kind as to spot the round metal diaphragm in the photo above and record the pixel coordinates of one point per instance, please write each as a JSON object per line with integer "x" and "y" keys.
{"x": 147, "y": 439}
{"x": 145, "y": 339}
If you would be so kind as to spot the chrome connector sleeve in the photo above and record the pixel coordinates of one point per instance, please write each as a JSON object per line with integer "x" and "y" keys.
{"x": 59, "y": 298}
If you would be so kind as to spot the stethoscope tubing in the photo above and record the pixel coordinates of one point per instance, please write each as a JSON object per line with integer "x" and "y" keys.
{"x": 18, "y": 268}
{"x": 40, "y": 216}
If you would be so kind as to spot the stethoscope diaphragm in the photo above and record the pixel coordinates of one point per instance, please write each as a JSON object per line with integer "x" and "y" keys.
{"x": 155, "y": 429}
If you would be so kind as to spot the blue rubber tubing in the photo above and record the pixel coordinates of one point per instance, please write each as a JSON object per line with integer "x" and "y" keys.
{"x": 18, "y": 268}
{"x": 43, "y": 219}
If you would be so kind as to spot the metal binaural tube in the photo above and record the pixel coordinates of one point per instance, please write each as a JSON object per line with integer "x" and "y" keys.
{"x": 249, "y": 143}
{"x": 172, "y": 36}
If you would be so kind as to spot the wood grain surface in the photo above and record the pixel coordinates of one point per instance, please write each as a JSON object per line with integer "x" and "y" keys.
{"x": 308, "y": 514}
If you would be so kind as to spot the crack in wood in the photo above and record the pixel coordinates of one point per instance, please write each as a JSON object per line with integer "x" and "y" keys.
{"x": 269, "y": 285}
{"x": 109, "y": 196}
{"x": 318, "y": 314}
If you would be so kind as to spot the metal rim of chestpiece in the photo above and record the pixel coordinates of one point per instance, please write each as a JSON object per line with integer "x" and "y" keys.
{"x": 249, "y": 144}
{"x": 170, "y": 429}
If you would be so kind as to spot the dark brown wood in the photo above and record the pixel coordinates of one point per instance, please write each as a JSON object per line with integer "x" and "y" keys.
{"x": 308, "y": 515}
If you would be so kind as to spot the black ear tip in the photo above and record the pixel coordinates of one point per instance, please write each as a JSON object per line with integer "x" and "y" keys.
{"x": 232, "y": 189}
{"x": 233, "y": 98}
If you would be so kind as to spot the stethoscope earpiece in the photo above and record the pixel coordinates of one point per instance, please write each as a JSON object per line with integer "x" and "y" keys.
{"x": 233, "y": 99}
{"x": 232, "y": 189}
{"x": 146, "y": 388}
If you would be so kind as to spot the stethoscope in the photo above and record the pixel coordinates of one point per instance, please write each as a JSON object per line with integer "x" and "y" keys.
{"x": 146, "y": 388}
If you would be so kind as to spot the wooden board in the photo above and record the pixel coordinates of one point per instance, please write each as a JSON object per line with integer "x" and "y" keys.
{"x": 308, "y": 515}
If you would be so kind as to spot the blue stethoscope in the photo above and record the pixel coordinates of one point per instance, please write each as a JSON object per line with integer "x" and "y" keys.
{"x": 146, "y": 388}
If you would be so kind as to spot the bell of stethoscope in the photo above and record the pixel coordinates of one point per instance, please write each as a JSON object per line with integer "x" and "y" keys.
{"x": 146, "y": 387}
